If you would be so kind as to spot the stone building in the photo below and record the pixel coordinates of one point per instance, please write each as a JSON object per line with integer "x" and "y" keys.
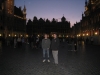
{"x": 12, "y": 19}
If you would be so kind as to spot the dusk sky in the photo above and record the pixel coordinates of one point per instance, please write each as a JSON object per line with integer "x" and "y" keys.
{"x": 72, "y": 9}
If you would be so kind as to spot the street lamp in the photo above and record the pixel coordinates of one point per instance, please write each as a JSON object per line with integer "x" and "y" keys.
{"x": 83, "y": 34}
{"x": 26, "y": 35}
{"x": 96, "y": 33}
{"x": 87, "y": 34}
{"x": 77, "y": 35}
{"x": 38, "y": 35}
{"x": 9, "y": 34}
{"x": 52, "y": 35}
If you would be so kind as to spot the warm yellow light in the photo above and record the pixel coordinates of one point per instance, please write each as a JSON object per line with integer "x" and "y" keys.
{"x": 26, "y": 35}
{"x": 67, "y": 35}
{"x": 21, "y": 35}
{"x": 0, "y": 34}
{"x": 9, "y": 34}
{"x": 38, "y": 35}
{"x": 79, "y": 35}
{"x": 87, "y": 34}
{"x": 83, "y": 34}
{"x": 96, "y": 33}
{"x": 15, "y": 35}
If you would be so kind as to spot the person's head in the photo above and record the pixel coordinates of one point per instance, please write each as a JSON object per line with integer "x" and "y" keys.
{"x": 45, "y": 36}
{"x": 55, "y": 35}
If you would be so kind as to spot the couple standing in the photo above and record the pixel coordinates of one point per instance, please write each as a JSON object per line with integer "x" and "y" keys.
{"x": 54, "y": 45}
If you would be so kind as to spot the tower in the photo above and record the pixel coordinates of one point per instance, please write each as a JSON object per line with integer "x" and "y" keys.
{"x": 63, "y": 19}
{"x": 24, "y": 12}
{"x": 9, "y": 6}
{"x": 85, "y": 5}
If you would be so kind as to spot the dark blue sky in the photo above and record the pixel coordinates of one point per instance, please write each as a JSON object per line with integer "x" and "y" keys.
{"x": 72, "y": 9}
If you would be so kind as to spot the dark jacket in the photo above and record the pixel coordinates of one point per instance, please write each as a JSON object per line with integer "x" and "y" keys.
{"x": 55, "y": 44}
{"x": 45, "y": 43}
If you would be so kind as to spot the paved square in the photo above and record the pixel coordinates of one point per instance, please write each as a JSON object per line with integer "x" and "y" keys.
{"x": 27, "y": 61}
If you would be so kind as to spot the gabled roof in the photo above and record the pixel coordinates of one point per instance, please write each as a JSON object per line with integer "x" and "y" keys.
{"x": 18, "y": 11}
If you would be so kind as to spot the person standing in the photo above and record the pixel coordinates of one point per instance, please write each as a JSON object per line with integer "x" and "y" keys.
{"x": 55, "y": 47}
{"x": 92, "y": 40}
{"x": 15, "y": 41}
{"x": 19, "y": 42}
{"x": 46, "y": 47}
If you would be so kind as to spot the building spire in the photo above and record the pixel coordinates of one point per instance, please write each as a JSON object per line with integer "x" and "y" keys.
{"x": 85, "y": 2}
{"x": 24, "y": 10}
{"x": 24, "y": 5}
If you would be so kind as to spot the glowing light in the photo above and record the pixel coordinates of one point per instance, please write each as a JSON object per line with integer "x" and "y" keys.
{"x": 26, "y": 35}
{"x": 87, "y": 34}
{"x": 67, "y": 35}
{"x": 96, "y": 33}
{"x": 21, "y": 35}
{"x": 38, "y": 35}
{"x": 63, "y": 35}
{"x": 83, "y": 34}
{"x": 0, "y": 34}
{"x": 79, "y": 35}
{"x": 52, "y": 35}
{"x": 15, "y": 35}
{"x": 9, "y": 34}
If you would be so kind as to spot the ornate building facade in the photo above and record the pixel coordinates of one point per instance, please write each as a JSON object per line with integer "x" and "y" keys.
{"x": 12, "y": 19}
{"x": 90, "y": 23}
{"x": 41, "y": 26}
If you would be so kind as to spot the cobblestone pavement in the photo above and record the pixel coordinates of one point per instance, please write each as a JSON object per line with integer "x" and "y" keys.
{"x": 27, "y": 61}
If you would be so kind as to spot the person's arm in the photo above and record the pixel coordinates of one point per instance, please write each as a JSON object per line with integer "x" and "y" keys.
{"x": 42, "y": 43}
{"x": 49, "y": 43}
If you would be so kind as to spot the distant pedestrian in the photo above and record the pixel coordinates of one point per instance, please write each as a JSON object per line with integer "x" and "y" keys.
{"x": 32, "y": 40}
{"x": 23, "y": 41}
{"x": 15, "y": 42}
{"x": 8, "y": 41}
{"x": 87, "y": 40}
{"x": 75, "y": 44}
{"x": 46, "y": 48}
{"x": 55, "y": 47}
{"x": 19, "y": 42}
{"x": 37, "y": 42}
{"x": 91, "y": 40}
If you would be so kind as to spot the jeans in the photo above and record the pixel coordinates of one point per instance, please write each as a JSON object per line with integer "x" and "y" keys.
{"x": 55, "y": 56}
{"x": 45, "y": 52}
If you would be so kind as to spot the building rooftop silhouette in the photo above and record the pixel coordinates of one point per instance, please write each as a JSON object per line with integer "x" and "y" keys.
{"x": 18, "y": 11}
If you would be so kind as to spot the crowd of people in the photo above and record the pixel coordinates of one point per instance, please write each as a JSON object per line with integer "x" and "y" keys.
{"x": 46, "y": 43}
